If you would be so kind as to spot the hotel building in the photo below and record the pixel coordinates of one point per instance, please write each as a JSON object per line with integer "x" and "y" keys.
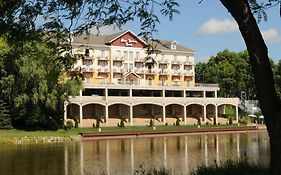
{"x": 122, "y": 81}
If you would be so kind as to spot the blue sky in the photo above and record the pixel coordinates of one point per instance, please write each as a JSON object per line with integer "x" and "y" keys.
{"x": 208, "y": 28}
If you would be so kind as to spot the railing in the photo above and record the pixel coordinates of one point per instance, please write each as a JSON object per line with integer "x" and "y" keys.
{"x": 206, "y": 85}
{"x": 163, "y": 61}
{"x": 118, "y": 69}
{"x": 176, "y": 62}
{"x": 118, "y": 59}
{"x": 138, "y": 60}
{"x": 100, "y": 58}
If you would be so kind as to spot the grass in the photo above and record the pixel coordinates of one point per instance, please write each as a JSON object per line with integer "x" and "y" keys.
{"x": 20, "y": 136}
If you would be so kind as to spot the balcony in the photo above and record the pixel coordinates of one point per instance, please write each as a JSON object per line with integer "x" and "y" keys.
{"x": 189, "y": 63}
{"x": 163, "y": 61}
{"x": 188, "y": 73}
{"x": 117, "y": 69}
{"x": 118, "y": 59}
{"x": 150, "y": 71}
{"x": 138, "y": 60}
{"x": 103, "y": 69}
{"x": 176, "y": 62}
{"x": 177, "y": 73}
{"x": 100, "y": 58}
{"x": 163, "y": 72}
{"x": 139, "y": 70}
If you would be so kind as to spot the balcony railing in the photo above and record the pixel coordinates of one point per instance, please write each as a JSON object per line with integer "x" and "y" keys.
{"x": 163, "y": 61}
{"x": 118, "y": 59}
{"x": 139, "y": 60}
{"x": 206, "y": 85}
{"x": 100, "y": 58}
{"x": 176, "y": 62}
{"x": 177, "y": 72}
{"x": 117, "y": 70}
{"x": 188, "y": 73}
{"x": 103, "y": 69}
{"x": 189, "y": 63}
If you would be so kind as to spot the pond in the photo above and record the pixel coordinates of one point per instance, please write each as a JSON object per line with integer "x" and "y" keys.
{"x": 124, "y": 156}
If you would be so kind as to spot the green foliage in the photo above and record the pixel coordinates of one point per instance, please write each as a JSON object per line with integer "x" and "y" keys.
{"x": 230, "y": 70}
{"x": 33, "y": 83}
{"x": 244, "y": 120}
{"x": 122, "y": 122}
{"x": 231, "y": 168}
{"x": 68, "y": 125}
{"x": 151, "y": 123}
{"x": 198, "y": 121}
{"x": 5, "y": 118}
{"x": 178, "y": 122}
{"x": 152, "y": 171}
{"x": 97, "y": 121}
{"x": 230, "y": 120}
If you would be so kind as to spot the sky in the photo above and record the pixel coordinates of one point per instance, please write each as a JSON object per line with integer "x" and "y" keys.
{"x": 208, "y": 28}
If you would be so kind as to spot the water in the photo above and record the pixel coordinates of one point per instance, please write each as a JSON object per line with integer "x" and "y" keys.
{"x": 124, "y": 156}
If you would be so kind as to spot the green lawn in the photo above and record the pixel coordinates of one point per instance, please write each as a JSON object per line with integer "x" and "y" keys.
{"x": 76, "y": 131}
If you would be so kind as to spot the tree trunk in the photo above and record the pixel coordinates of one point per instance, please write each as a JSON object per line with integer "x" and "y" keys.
{"x": 264, "y": 81}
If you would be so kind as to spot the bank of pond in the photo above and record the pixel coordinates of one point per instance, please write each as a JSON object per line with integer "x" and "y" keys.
{"x": 177, "y": 154}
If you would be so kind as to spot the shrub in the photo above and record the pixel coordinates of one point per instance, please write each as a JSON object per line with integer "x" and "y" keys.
{"x": 122, "y": 122}
{"x": 215, "y": 122}
{"x": 178, "y": 122}
{"x": 97, "y": 121}
{"x": 69, "y": 124}
{"x": 230, "y": 121}
{"x": 198, "y": 121}
{"x": 151, "y": 123}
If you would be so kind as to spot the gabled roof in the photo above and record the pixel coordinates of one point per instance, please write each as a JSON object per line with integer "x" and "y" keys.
{"x": 165, "y": 45}
{"x": 103, "y": 40}
{"x": 115, "y": 36}
{"x": 131, "y": 73}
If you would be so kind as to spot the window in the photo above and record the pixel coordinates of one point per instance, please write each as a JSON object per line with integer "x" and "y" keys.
{"x": 125, "y": 55}
{"x": 118, "y": 54}
{"x": 175, "y": 57}
{"x": 102, "y": 54}
{"x": 130, "y": 55}
{"x": 137, "y": 55}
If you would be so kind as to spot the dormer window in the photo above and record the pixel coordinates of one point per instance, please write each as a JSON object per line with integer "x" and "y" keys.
{"x": 174, "y": 45}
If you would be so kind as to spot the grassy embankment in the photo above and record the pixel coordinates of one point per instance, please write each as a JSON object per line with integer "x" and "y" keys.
{"x": 20, "y": 136}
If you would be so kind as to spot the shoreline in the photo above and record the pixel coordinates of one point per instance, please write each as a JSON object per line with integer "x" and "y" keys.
{"x": 160, "y": 133}
{"x": 95, "y": 135}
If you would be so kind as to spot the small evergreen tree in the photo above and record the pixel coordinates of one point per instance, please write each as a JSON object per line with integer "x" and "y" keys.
{"x": 178, "y": 122}
{"x": 98, "y": 121}
{"x": 122, "y": 122}
{"x": 5, "y": 120}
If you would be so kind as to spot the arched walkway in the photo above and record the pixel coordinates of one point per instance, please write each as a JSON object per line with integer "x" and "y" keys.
{"x": 174, "y": 111}
{"x": 92, "y": 112}
{"x": 143, "y": 113}
{"x": 194, "y": 113}
{"x": 227, "y": 111}
{"x": 116, "y": 112}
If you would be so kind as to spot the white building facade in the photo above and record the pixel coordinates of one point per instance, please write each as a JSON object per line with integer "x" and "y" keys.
{"x": 122, "y": 81}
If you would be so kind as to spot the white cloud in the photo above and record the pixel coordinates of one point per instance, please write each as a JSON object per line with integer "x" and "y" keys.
{"x": 271, "y": 35}
{"x": 216, "y": 26}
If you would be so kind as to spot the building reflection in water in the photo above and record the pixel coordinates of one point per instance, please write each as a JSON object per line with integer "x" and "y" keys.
{"x": 125, "y": 156}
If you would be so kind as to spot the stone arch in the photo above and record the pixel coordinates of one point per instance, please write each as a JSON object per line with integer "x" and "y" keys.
{"x": 143, "y": 113}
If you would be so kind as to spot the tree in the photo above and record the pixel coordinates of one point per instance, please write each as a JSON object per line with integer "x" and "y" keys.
{"x": 32, "y": 82}
{"x": 262, "y": 72}
{"x": 230, "y": 70}
{"x": 5, "y": 120}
